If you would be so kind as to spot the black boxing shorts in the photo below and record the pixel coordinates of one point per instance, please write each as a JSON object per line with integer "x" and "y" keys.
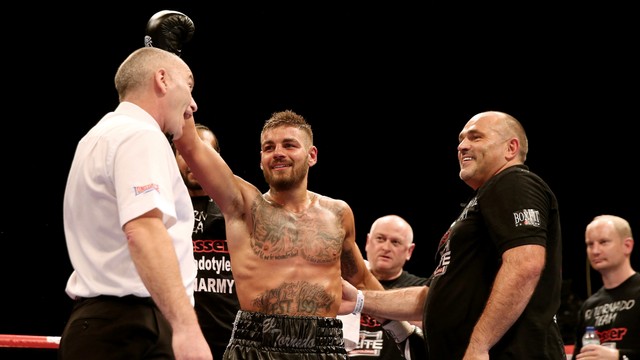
{"x": 258, "y": 336}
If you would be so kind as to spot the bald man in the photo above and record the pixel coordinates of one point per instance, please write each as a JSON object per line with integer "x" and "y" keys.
{"x": 496, "y": 288}
{"x": 614, "y": 310}
{"x": 388, "y": 248}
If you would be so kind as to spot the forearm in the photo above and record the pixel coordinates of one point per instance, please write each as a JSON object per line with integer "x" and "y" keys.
{"x": 212, "y": 172}
{"x": 154, "y": 256}
{"x": 396, "y": 304}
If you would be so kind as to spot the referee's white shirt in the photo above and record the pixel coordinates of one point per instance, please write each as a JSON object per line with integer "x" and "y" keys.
{"x": 123, "y": 167}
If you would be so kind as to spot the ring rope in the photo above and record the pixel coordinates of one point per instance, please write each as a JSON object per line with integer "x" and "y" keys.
{"x": 29, "y": 341}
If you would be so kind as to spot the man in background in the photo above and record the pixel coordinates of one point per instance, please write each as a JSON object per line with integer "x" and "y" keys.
{"x": 389, "y": 246}
{"x": 215, "y": 291}
{"x": 614, "y": 310}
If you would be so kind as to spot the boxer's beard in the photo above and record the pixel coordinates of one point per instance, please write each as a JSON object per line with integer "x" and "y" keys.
{"x": 283, "y": 182}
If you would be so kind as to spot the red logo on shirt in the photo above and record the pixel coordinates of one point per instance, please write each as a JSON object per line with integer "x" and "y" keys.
{"x": 146, "y": 188}
{"x": 208, "y": 246}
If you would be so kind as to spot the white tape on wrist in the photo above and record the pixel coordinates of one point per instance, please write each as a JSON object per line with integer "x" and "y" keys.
{"x": 359, "y": 303}
{"x": 399, "y": 330}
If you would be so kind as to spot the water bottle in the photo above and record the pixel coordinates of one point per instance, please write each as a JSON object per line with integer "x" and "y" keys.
{"x": 590, "y": 336}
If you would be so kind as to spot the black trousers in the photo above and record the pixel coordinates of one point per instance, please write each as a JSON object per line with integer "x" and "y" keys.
{"x": 110, "y": 327}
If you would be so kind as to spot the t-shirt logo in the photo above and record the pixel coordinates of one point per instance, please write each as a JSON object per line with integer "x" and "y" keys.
{"x": 146, "y": 188}
{"x": 529, "y": 217}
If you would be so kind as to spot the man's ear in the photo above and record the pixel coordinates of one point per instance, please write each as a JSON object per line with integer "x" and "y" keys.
{"x": 513, "y": 148}
{"x": 312, "y": 156}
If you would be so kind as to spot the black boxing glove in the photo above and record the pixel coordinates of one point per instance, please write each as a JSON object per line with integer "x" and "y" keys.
{"x": 169, "y": 30}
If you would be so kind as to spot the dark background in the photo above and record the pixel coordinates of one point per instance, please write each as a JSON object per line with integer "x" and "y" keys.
{"x": 386, "y": 88}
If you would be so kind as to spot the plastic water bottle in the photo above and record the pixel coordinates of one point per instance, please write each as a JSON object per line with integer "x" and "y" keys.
{"x": 590, "y": 336}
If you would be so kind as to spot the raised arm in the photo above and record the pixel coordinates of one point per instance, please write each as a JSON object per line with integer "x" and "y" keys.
{"x": 212, "y": 172}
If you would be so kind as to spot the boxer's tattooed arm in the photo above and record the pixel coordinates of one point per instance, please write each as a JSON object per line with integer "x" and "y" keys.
{"x": 298, "y": 298}
{"x": 348, "y": 264}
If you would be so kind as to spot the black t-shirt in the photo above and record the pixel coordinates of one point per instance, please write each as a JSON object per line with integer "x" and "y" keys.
{"x": 514, "y": 208}
{"x": 615, "y": 313}
{"x": 374, "y": 341}
{"x": 216, "y": 302}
